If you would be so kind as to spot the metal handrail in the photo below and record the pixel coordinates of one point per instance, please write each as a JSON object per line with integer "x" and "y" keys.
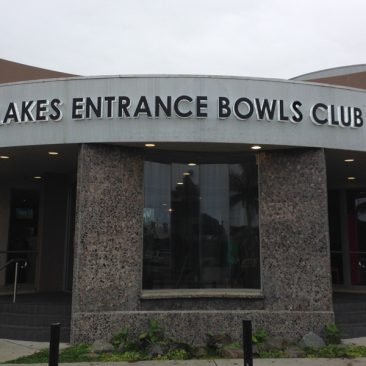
{"x": 17, "y": 261}
{"x": 17, "y": 251}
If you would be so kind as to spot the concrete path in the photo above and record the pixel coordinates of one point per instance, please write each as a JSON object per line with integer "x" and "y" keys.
{"x": 357, "y": 341}
{"x": 11, "y": 349}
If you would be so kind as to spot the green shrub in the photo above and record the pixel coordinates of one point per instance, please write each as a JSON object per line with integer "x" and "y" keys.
{"x": 120, "y": 337}
{"x": 125, "y": 356}
{"x": 275, "y": 353}
{"x": 154, "y": 333}
{"x": 259, "y": 336}
{"x": 175, "y": 354}
{"x": 234, "y": 345}
{"x": 332, "y": 334}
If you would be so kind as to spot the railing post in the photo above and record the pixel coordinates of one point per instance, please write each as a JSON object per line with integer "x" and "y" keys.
{"x": 15, "y": 282}
{"x": 54, "y": 344}
{"x": 247, "y": 343}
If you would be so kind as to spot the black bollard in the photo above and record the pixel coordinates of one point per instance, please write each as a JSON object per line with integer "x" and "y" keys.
{"x": 54, "y": 344}
{"x": 247, "y": 343}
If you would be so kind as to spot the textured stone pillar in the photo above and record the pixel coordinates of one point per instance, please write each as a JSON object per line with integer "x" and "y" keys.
{"x": 108, "y": 255}
{"x": 294, "y": 231}
{"x": 108, "y": 237}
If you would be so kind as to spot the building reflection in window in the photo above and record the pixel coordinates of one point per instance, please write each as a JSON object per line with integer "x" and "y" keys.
{"x": 201, "y": 224}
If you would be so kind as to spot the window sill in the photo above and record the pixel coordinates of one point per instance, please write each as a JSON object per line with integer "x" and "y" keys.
{"x": 204, "y": 293}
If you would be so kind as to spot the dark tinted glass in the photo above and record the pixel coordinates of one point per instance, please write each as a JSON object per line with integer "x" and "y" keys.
{"x": 201, "y": 223}
{"x": 335, "y": 236}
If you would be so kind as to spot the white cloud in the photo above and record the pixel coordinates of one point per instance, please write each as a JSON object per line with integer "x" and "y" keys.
{"x": 269, "y": 38}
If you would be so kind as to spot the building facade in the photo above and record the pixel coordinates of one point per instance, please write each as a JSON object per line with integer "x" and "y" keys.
{"x": 197, "y": 201}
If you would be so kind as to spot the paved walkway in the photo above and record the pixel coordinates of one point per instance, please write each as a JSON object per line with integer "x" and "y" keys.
{"x": 11, "y": 349}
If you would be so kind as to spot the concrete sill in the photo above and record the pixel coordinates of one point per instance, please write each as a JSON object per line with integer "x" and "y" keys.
{"x": 206, "y": 293}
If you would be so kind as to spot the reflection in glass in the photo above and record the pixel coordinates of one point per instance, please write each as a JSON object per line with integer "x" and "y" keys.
{"x": 357, "y": 236}
{"x": 201, "y": 225}
{"x": 337, "y": 268}
{"x": 335, "y": 236}
{"x": 358, "y": 262}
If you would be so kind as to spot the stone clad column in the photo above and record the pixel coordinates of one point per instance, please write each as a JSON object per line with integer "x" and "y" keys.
{"x": 295, "y": 253}
{"x": 296, "y": 278}
{"x": 108, "y": 237}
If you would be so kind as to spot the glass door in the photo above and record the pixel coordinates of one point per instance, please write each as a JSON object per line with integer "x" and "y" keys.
{"x": 23, "y": 234}
{"x": 356, "y": 223}
{"x": 337, "y": 247}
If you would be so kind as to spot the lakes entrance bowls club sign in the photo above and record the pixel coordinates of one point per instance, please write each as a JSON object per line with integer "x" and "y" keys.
{"x": 182, "y": 106}
{"x": 193, "y": 110}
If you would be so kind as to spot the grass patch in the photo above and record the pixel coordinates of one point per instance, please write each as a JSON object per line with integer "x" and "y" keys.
{"x": 272, "y": 354}
{"x": 38, "y": 357}
{"x": 81, "y": 353}
{"x": 125, "y": 356}
{"x": 78, "y": 353}
{"x": 337, "y": 351}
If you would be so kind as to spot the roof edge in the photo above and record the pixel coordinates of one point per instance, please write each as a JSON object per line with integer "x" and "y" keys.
{"x": 331, "y": 72}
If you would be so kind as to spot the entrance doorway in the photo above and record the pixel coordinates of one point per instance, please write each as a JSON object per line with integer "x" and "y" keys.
{"x": 23, "y": 234}
{"x": 356, "y": 224}
{"x": 347, "y": 228}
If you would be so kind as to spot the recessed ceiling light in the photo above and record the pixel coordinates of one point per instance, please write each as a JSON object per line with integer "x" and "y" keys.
{"x": 192, "y": 164}
{"x": 349, "y": 160}
{"x": 170, "y": 210}
{"x": 150, "y": 145}
{"x": 53, "y": 153}
{"x": 256, "y": 147}
{"x": 186, "y": 173}
{"x": 351, "y": 178}
{"x": 37, "y": 177}
{"x": 180, "y": 183}
{"x": 4, "y": 157}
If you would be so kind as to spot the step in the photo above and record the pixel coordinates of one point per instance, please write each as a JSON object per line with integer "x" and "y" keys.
{"x": 352, "y": 330}
{"x": 351, "y": 317}
{"x": 34, "y": 320}
{"x": 29, "y": 333}
{"x": 34, "y": 309}
{"x": 349, "y": 306}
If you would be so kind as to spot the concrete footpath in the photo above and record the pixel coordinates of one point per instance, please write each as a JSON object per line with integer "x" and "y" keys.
{"x": 11, "y": 349}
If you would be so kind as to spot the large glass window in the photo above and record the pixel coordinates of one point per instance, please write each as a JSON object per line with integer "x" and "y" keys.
{"x": 335, "y": 237}
{"x": 356, "y": 218}
{"x": 201, "y": 222}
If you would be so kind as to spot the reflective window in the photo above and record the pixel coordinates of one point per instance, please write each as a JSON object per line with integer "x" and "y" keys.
{"x": 201, "y": 222}
{"x": 356, "y": 219}
{"x": 335, "y": 237}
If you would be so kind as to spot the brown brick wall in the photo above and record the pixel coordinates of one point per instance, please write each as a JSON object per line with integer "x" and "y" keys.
{"x": 13, "y": 71}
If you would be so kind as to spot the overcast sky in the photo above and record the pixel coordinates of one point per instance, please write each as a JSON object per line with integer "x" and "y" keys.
{"x": 266, "y": 38}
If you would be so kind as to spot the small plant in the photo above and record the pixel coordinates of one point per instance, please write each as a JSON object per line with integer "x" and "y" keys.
{"x": 259, "y": 336}
{"x": 275, "y": 353}
{"x": 176, "y": 354}
{"x": 234, "y": 345}
{"x": 120, "y": 337}
{"x": 332, "y": 334}
{"x": 125, "y": 356}
{"x": 122, "y": 341}
{"x": 154, "y": 333}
